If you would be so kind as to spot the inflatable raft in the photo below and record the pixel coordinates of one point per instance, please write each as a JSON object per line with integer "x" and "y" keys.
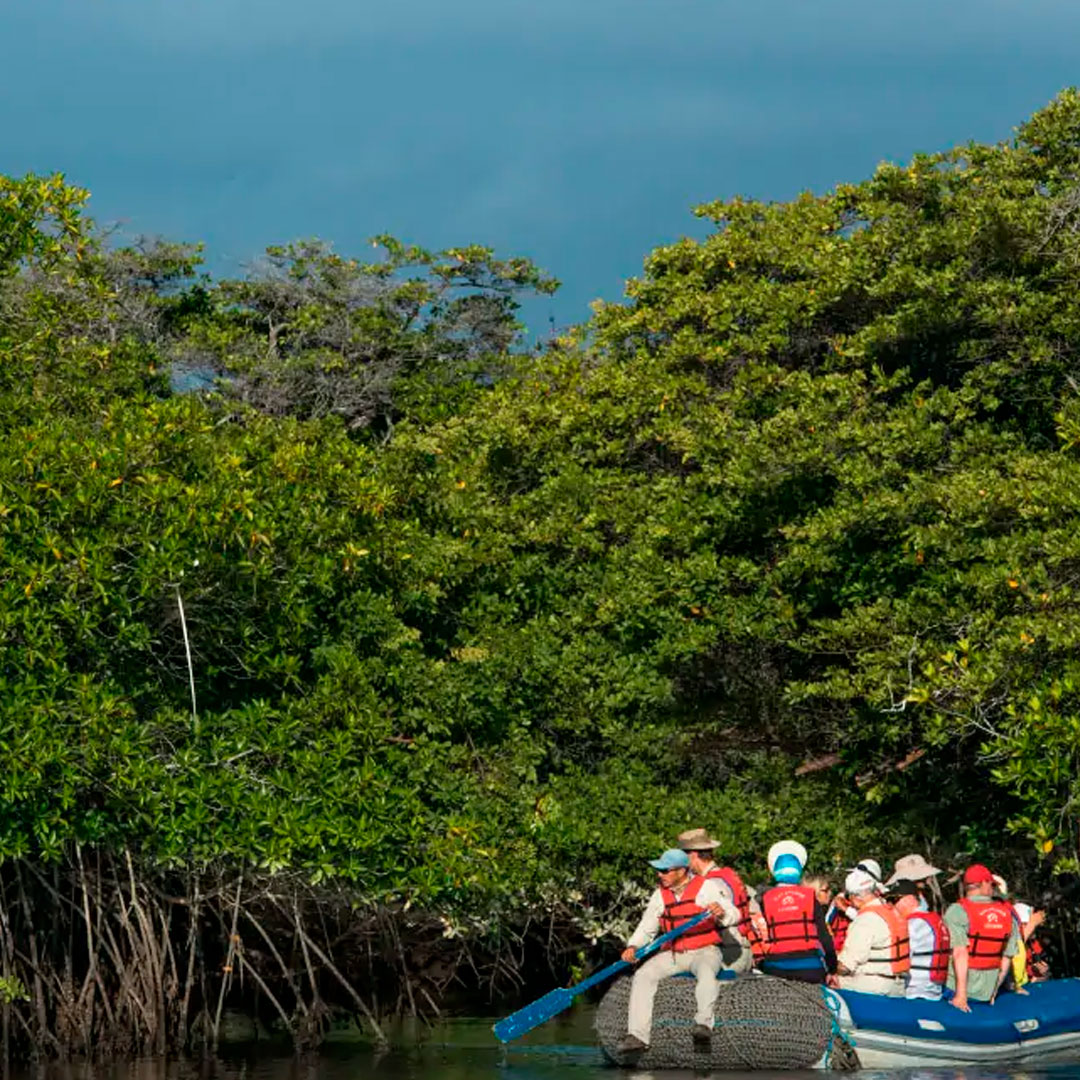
{"x": 766, "y": 1023}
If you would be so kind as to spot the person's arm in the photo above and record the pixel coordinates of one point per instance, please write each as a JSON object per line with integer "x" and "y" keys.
{"x": 1033, "y": 924}
{"x": 647, "y": 928}
{"x": 857, "y": 946}
{"x": 960, "y": 968}
{"x": 824, "y": 935}
{"x": 715, "y": 896}
{"x": 1012, "y": 947}
{"x": 957, "y": 921}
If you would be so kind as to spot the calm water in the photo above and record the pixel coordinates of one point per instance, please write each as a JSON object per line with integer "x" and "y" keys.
{"x": 466, "y": 1050}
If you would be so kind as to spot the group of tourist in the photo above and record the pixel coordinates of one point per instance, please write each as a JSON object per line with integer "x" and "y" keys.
{"x": 877, "y": 936}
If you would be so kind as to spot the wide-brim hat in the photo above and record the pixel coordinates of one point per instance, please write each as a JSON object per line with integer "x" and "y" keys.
{"x": 786, "y": 847}
{"x": 697, "y": 840}
{"x": 912, "y": 868}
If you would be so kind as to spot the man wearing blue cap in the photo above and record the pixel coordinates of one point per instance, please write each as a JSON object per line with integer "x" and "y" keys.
{"x": 678, "y": 898}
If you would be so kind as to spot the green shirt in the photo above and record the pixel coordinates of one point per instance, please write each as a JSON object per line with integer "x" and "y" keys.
{"x": 981, "y": 984}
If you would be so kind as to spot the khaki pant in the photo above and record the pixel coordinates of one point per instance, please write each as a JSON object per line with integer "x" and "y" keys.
{"x": 874, "y": 984}
{"x": 703, "y": 964}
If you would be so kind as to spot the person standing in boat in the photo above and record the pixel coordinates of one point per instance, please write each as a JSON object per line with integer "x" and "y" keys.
{"x": 800, "y": 945}
{"x": 876, "y": 955}
{"x": 930, "y": 943}
{"x": 984, "y": 940}
{"x": 735, "y": 941}
{"x": 678, "y": 898}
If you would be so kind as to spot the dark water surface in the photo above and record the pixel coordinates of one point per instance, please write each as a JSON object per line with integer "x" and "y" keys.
{"x": 464, "y": 1049}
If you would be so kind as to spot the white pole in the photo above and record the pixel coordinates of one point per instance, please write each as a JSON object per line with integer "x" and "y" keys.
{"x": 190, "y": 668}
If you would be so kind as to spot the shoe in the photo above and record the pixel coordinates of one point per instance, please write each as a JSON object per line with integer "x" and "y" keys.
{"x": 631, "y": 1046}
{"x": 702, "y": 1036}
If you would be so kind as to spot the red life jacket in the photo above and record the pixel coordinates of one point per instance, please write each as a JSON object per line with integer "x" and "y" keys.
{"x": 989, "y": 928}
{"x": 1034, "y": 956}
{"x": 680, "y": 909}
{"x": 936, "y": 961}
{"x": 741, "y": 900}
{"x": 789, "y": 914}
{"x": 839, "y": 921}
{"x": 892, "y": 959}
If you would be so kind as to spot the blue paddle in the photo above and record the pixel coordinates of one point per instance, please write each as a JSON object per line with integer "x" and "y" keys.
{"x": 553, "y": 1003}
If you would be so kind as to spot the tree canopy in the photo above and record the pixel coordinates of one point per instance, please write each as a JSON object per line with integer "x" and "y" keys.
{"x": 785, "y": 543}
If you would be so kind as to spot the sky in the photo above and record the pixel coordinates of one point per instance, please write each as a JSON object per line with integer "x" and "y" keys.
{"x": 577, "y": 132}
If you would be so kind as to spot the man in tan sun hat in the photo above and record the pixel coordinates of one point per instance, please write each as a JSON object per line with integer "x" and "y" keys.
{"x": 912, "y": 868}
{"x": 916, "y": 869}
{"x": 700, "y": 848}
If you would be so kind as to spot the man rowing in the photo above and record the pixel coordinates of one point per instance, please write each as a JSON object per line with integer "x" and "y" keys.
{"x": 678, "y": 898}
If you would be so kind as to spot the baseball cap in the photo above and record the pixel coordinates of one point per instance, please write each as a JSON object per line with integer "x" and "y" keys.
{"x": 977, "y": 874}
{"x": 1023, "y": 911}
{"x": 868, "y": 866}
{"x": 859, "y": 881}
{"x": 672, "y": 859}
{"x": 903, "y": 887}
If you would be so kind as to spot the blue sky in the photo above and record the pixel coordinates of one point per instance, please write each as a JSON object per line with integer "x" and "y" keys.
{"x": 578, "y": 132}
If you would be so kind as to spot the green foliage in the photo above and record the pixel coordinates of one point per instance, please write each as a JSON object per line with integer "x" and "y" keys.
{"x": 311, "y": 334}
{"x": 786, "y": 544}
{"x": 12, "y": 990}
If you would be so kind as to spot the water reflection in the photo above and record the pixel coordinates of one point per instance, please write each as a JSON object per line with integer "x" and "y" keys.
{"x": 463, "y": 1050}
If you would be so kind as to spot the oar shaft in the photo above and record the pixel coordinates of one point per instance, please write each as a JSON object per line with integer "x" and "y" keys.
{"x": 555, "y": 1001}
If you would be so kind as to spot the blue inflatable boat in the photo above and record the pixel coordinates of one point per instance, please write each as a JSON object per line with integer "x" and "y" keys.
{"x": 1041, "y": 1026}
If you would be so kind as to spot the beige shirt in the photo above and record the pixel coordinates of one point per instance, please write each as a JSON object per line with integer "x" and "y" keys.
{"x": 867, "y": 935}
{"x": 712, "y": 892}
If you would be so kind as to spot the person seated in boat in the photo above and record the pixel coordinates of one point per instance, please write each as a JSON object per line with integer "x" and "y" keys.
{"x": 822, "y": 887}
{"x": 916, "y": 869}
{"x": 700, "y": 848}
{"x": 678, "y": 898}
{"x": 840, "y": 912}
{"x": 838, "y": 916}
{"x": 930, "y": 945}
{"x": 1036, "y": 969}
{"x": 800, "y": 946}
{"x": 1029, "y": 964}
{"x": 984, "y": 940}
{"x": 876, "y": 955}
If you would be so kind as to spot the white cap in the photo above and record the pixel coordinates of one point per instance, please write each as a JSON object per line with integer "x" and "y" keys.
{"x": 859, "y": 881}
{"x": 868, "y": 866}
{"x": 786, "y": 847}
{"x": 1023, "y": 911}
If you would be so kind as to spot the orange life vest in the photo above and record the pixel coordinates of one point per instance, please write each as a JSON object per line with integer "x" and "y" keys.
{"x": 789, "y": 915}
{"x": 989, "y": 928}
{"x": 747, "y": 927}
{"x": 892, "y": 959}
{"x": 681, "y": 909}
{"x": 936, "y": 961}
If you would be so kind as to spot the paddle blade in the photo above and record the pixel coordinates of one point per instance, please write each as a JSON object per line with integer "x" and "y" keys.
{"x": 533, "y": 1014}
